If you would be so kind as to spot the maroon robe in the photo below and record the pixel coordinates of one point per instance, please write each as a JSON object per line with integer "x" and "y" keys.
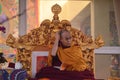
{"x": 55, "y": 74}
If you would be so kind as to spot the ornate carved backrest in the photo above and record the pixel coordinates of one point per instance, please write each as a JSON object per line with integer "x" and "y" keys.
{"x": 45, "y": 36}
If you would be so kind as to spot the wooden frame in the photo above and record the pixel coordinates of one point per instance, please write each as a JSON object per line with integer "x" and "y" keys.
{"x": 36, "y": 56}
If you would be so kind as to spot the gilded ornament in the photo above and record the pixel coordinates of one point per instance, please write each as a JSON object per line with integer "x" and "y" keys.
{"x": 56, "y": 9}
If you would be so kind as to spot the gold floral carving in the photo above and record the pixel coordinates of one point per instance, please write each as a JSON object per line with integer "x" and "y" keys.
{"x": 45, "y": 36}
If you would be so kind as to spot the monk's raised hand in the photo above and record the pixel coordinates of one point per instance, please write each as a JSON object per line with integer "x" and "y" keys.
{"x": 57, "y": 36}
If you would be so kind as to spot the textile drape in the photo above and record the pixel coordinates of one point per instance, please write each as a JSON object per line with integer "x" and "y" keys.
{"x": 116, "y": 4}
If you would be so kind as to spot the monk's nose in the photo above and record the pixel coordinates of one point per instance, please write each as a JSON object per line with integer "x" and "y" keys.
{"x": 69, "y": 40}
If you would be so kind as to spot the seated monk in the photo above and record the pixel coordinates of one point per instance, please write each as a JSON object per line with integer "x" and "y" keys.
{"x": 65, "y": 61}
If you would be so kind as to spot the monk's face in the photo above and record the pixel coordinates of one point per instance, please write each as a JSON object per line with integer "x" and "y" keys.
{"x": 66, "y": 39}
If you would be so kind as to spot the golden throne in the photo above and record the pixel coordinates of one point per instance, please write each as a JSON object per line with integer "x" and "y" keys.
{"x": 45, "y": 35}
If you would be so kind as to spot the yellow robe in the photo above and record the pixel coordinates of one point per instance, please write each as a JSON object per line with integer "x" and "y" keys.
{"x": 72, "y": 58}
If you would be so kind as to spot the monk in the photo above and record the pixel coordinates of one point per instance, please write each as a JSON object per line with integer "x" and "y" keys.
{"x": 65, "y": 61}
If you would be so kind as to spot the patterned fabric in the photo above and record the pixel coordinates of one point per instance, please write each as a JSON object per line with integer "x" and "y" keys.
{"x": 3, "y": 75}
{"x": 18, "y": 74}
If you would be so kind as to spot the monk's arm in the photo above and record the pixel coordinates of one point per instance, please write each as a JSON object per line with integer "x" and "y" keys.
{"x": 55, "y": 46}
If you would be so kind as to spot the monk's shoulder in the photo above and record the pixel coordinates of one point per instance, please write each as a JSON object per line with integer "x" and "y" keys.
{"x": 76, "y": 47}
